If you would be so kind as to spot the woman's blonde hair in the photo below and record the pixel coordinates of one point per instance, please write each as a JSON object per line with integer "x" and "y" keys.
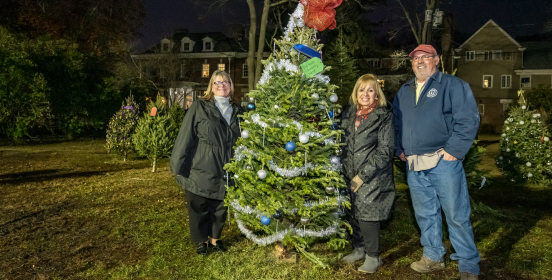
{"x": 371, "y": 81}
{"x": 209, "y": 93}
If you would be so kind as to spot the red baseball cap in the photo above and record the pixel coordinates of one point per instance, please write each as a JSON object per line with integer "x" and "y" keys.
{"x": 424, "y": 48}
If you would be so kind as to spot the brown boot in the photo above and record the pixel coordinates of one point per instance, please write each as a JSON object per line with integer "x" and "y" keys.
{"x": 426, "y": 265}
{"x": 468, "y": 276}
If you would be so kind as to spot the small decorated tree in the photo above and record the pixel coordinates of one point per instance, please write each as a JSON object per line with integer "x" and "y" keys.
{"x": 525, "y": 147}
{"x": 121, "y": 127}
{"x": 155, "y": 134}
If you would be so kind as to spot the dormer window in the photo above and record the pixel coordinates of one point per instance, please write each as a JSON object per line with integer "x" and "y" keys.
{"x": 165, "y": 45}
{"x": 186, "y": 45}
{"x": 208, "y": 44}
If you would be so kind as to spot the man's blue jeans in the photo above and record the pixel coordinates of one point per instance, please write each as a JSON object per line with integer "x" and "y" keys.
{"x": 444, "y": 187}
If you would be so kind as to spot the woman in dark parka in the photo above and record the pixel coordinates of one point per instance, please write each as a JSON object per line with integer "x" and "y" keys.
{"x": 368, "y": 168}
{"x": 204, "y": 145}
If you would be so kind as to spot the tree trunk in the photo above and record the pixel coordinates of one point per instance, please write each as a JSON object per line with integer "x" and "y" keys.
{"x": 154, "y": 169}
{"x": 426, "y": 32}
{"x": 251, "y": 51}
{"x": 262, "y": 34}
{"x": 446, "y": 43}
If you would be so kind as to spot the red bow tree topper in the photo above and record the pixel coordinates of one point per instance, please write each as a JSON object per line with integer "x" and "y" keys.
{"x": 320, "y": 14}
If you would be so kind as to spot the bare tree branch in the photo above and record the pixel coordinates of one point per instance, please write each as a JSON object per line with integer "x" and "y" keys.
{"x": 410, "y": 21}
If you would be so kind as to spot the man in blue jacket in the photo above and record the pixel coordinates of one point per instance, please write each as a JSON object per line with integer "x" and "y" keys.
{"x": 436, "y": 120}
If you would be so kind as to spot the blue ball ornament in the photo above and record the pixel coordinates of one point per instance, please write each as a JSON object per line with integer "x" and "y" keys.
{"x": 251, "y": 106}
{"x": 290, "y": 146}
{"x": 265, "y": 220}
{"x": 335, "y": 126}
{"x": 331, "y": 113}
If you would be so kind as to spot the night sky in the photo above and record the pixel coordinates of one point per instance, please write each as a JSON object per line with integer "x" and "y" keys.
{"x": 517, "y": 17}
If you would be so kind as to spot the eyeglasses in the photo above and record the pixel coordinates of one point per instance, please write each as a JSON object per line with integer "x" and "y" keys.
{"x": 225, "y": 83}
{"x": 424, "y": 57}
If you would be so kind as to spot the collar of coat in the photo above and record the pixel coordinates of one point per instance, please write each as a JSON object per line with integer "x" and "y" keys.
{"x": 378, "y": 111}
{"x": 437, "y": 76}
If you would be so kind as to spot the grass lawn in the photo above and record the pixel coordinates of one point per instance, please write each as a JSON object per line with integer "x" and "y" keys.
{"x": 68, "y": 210}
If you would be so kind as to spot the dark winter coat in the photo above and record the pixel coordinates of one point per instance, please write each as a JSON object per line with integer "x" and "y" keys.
{"x": 368, "y": 153}
{"x": 204, "y": 145}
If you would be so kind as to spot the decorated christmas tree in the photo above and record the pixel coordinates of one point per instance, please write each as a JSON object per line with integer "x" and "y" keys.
{"x": 121, "y": 127}
{"x": 286, "y": 166}
{"x": 525, "y": 147}
{"x": 156, "y": 133}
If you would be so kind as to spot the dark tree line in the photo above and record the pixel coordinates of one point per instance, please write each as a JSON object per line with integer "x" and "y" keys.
{"x": 70, "y": 72}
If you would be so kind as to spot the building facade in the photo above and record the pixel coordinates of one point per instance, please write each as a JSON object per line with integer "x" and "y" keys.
{"x": 497, "y": 66}
{"x": 181, "y": 66}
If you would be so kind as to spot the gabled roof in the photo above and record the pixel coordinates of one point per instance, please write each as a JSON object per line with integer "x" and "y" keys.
{"x": 538, "y": 55}
{"x": 495, "y": 25}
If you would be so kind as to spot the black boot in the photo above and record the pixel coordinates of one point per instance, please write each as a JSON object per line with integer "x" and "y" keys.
{"x": 202, "y": 248}
{"x": 219, "y": 247}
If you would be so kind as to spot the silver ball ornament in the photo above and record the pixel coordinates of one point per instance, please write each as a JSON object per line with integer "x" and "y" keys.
{"x": 251, "y": 99}
{"x": 276, "y": 106}
{"x": 315, "y": 95}
{"x": 321, "y": 106}
{"x": 333, "y": 98}
{"x": 305, "y": 220}
{"x": 245, "y": 134}
{"x": 304, "y": 138}
{"x": 261, "y": 174}
{"x": 330, "y": 189}
{"x": 338, "y": 152}
{"x": 335, "y": 160}
{"x": 248, "y": 167}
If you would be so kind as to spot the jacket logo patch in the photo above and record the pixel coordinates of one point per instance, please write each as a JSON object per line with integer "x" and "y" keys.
{"x": 432, "y": 93}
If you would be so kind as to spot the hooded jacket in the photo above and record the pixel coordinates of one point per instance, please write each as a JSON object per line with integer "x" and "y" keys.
{"x": 446, "y": 116}
{"x": 203, "y": 146}
{"x": 368, "y": 153}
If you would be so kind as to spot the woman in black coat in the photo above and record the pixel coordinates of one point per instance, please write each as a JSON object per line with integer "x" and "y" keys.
{"x": 368, "y": 168}
{"x": 204, "y": 145}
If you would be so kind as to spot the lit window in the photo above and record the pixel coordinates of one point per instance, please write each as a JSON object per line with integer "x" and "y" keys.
{"x": 526, "y": 82}
{"x": 245, "y": 73}
{"x": 487, "y": 81}
{"x": 205, "y": 72}
{"x": 470, "y": 55}
{"x": 221, "y": 67}
{"x": 506, "y": 81}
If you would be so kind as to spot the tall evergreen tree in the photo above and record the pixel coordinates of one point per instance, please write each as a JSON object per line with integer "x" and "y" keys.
{"x": 286, "y": 164}
{"x": 344, "y": 72}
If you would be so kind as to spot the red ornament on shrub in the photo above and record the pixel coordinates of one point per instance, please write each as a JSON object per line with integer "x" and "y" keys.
{"x": 320, "y": 14}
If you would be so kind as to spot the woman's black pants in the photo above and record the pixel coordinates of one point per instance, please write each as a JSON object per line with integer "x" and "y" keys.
{"x": 207, "y": 217}
{"x": 365, "y": 233}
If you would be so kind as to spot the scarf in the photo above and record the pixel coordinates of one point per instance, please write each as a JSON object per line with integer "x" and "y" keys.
{"x": 363, "y": 112}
